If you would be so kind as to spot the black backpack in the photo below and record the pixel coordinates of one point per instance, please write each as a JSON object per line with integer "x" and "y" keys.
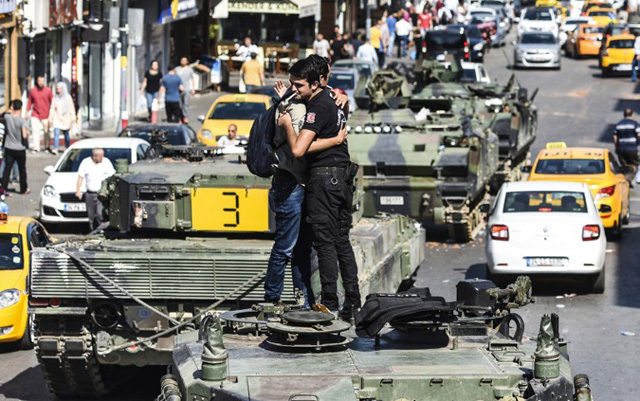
{"x": 260, "y": 149}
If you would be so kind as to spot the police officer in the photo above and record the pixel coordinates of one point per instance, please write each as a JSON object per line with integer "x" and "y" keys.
{"x": 329, "y": 193}
{"x": 625, "y": 137}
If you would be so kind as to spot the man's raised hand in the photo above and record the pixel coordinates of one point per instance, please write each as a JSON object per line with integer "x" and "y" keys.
{"x": 280, "y": 88}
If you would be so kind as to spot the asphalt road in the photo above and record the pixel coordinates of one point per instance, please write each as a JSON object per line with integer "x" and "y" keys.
{"x": 575, "y": 105}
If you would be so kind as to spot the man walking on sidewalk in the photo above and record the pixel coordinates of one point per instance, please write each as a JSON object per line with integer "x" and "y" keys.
{"x": 185, "y": 72}
{"x": 14, "y": 149}
{"x": 173, "y": 87}
{"x": 39, "y": 103}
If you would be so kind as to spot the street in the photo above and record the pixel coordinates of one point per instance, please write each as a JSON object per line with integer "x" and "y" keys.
{"x": 576, "y": 105}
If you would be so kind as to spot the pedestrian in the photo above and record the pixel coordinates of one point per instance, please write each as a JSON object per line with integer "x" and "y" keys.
{"x": 245, "y": 50}
{"x": 636, "y": 59}
{"x": 185, "y": 72}
{"x": 172, "y": 86}
{"x": 329, "y": 194}
{"x": 92, "y": 171}
{"x": 444, "y": 16}
{"x": 14, "y": 170}
{"x": 62, "y": 116}
{"x": 461, "y": 12}
{"x": 231, "y": 139}
{"x": 367, "y": 52}
{"x": 356, "y": 42}
{"x": 151, "y": 84}
{"x": 336, "y": 48}
{"x": 39, "y": 103}
{"x": 15, "y": 150}
{"x": 403, "y": 30}
{"x": 252, "y": 73}
{"x": 377, "y": 43}
{"x": 425, "y": 19}
{"x": 321, "y": 46}
{"x": 385, "y": 34}
{"x": 392, "y": 20}
{"x": 625, "y": 139}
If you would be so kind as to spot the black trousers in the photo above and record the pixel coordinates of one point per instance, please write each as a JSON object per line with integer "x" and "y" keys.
{"x": 629, "y": 158}
{"x": 174, "y": 111}
{"x": 94, "y": 209}
{"x": 329, "y": 201}
{"x": 20, "y": 157}
{"x": 381, "y": 57}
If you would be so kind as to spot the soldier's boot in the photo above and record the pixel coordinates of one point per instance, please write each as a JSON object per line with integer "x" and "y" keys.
{"x": 351, "y": 306}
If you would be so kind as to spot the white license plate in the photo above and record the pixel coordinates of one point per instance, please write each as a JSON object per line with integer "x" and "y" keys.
{"x": 538, "y": 262}
{"x": 75, "y": 207}
{"x": 622, "y": 67}
{"x": 392, "y": 200}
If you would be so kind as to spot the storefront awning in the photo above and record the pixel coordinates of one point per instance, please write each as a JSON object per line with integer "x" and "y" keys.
{"x": 307, "y": 8}
{"x": 302, "y": 8}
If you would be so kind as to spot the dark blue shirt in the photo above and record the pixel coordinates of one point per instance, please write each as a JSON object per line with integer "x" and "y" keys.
{"x": 627, "y": 132}
{"x": 171, "y": 83}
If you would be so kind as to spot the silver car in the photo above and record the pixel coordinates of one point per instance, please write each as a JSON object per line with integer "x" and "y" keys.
{"x": 537, "y": 50}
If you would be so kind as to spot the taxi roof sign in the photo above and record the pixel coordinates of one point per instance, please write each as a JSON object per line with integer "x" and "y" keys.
{"x": 556, "y": 145}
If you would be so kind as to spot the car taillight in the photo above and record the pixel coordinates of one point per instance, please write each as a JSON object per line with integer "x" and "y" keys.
{"x": 591, "y": 232}
{"x": 606, "y": 192}
{"x": 466, "y": 50}
{"x": 500, "y": 232}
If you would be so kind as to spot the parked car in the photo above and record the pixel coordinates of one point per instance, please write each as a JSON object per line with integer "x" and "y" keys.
{"x": 546, "y": 229}
{"x": 537, "y": 49}
{"x": 474, "y": 72}
{"x": 176, "y": 134}
{"x": 58, "y": 201}
{"x": 538, "y": 19}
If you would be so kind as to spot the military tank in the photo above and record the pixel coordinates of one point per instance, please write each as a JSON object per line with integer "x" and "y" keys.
{"x": 190, "y": 233}
{"x": 434, "y": 151}
{"x": 406, "y": 346}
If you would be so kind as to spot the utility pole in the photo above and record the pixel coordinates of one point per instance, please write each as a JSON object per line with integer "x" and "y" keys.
{"x": 368, "y": 20}
{"x": 124, "y": 50}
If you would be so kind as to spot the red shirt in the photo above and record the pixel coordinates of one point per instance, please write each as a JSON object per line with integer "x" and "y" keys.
{"x": 425, "y": 20}
{"x": 40, "y": 99}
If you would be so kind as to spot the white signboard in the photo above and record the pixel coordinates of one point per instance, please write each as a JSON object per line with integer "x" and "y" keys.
{"x": 221, "y": 10}
{"x": 7, "y": 6}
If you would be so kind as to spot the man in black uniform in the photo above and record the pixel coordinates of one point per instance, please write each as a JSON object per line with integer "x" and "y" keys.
{"x": 625, "y": 137}
{"x": 329, "y": 194}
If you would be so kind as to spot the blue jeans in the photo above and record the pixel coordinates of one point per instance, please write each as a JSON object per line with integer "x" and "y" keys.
{"x": 292, "y": 240}
{"x": 56, "y": 138}
{"x": 634, "y": 64}
{"x": 392, "y": 40}
{"x": 402, "y": 46}
{"x": 150, "y": 96}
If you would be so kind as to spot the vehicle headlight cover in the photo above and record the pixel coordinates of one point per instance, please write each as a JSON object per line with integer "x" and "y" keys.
{"x": 49, "y": 191}
{"x": 207, "y": 134}
{"x": 9, "y": 297}
{"x": 477, "y": 47}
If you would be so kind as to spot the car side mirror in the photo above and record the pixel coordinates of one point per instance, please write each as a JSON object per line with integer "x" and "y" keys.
{"x": 525, "y": 169}
{"x": 49, "y": 170}
{"x": 201, "y": 118}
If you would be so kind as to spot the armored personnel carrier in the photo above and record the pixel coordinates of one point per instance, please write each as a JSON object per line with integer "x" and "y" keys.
{"x": 407, "y": 346}
{"x": 433, "y": 152}
{"x": 190, "y": 233}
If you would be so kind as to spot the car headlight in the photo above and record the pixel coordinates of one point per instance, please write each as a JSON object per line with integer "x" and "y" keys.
{"x": 49, "y": 191}
{"x": 9, "y": 297}
{"x": 206, "y": 134}
{"x": 477, "y": 47}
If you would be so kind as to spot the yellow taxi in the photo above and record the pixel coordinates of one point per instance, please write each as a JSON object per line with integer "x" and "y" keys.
{"x": 18, "y": 235}
{"x": 598, "y": 168}
{"x": 591, "y": 4}
{"x": 584, "y": 41}
{"x": 240, "y": 110}
{"x": 603, "y": 16}
{"x": 618, "y": 54}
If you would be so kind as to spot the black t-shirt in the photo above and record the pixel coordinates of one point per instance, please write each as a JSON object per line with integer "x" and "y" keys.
{"x": 325, "y": 119}
{"x": 153, "y": 81}
{"x": 627, "y": 132}
{"x": 336, "y": 47}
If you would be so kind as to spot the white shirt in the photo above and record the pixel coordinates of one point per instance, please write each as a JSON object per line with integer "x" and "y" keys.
{"x": 226, "y": 142}
{"x": 403, "y": 28}
{"x": 94, "y": 173}
{"x": 321, "y": 47}
{"x": 367, "y": 52}
{"x": 245, "y": 52}
{"x": 636, "y": 46}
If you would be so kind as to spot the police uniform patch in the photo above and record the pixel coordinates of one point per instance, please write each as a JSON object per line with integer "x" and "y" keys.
{"x": 311, "y": 118}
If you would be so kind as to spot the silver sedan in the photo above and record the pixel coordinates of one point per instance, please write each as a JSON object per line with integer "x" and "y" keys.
{"x": 537, "y": 50}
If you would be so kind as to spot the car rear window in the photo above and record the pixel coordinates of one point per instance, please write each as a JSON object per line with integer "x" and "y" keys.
{"x": 544, "y": 201}
{"x": 174, "y": 136}
{"x": 11, "y": 252}
{"x": 444, "y": 40}
{"x": 592, "y": 29}
{"x": 341, "y": 81}
{"x": 237, "y": 111}
{"x": 72, "y": 160}
{"x": 570, "y": 166}
{"x": 621, "y": 44}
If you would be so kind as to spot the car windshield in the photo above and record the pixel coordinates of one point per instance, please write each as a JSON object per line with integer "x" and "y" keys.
{"x": 538, "y": 15}
{"x": 601, "y": 14}
{"x": 74, "y": 157}
{"x": 10, "y": 252}
{"x": 570, "y": 166}
{"x": 482, "y": 15}
{"x": 174, "y": 135}
{"x": 621, "y": 44}
{"x": 544, "y": 201}
{"x": 341, "y": 81}
{"x": 237, "y": 111}
{"x": 538, "y": 38}
{"x": 592, "y": 29}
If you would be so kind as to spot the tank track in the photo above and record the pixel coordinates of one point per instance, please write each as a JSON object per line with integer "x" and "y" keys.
{"x": 64, "y": 348}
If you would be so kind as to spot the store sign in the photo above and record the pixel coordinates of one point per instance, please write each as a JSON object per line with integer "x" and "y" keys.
{"x": 263, "y": 7}
{"x": 7, "y": 6}
{"x": 174, "y": 10}
{"x": 62, "y": 12}
{"x": 308, "y": 8}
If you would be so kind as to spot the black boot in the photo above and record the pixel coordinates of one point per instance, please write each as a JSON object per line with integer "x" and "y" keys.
{"x": 330, "y": 300}
{"x": 351, "y": 306}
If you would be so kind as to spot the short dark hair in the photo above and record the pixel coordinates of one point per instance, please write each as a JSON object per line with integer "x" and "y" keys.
{"x": 40, "y": 76}
{"x": 321, "y": 64}
{"x": 306, "y": 69}
{"x": 254, "y": 55}
{"x": 628, "y": 112}
{"x": 16, "y": 104}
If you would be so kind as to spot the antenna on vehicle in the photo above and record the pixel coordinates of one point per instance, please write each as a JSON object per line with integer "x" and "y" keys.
{"x": 513, "y": 66}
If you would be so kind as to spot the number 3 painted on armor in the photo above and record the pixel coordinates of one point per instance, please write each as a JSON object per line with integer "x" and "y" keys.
{"x": 233, "y": 210}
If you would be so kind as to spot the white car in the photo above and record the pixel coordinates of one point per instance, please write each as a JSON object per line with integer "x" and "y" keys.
{"x": 58, "y": 201}
{"x": 474, "y": 72}
{"x": 538, "y": 19}
{"x": 545, "y": 228}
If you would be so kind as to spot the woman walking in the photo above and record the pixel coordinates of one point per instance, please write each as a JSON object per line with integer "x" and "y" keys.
{"x": 61, "y": 116}
{"x": 151, "y": 84}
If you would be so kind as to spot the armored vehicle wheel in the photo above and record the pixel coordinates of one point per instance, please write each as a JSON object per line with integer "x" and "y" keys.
{"x": 65, "y": 351}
